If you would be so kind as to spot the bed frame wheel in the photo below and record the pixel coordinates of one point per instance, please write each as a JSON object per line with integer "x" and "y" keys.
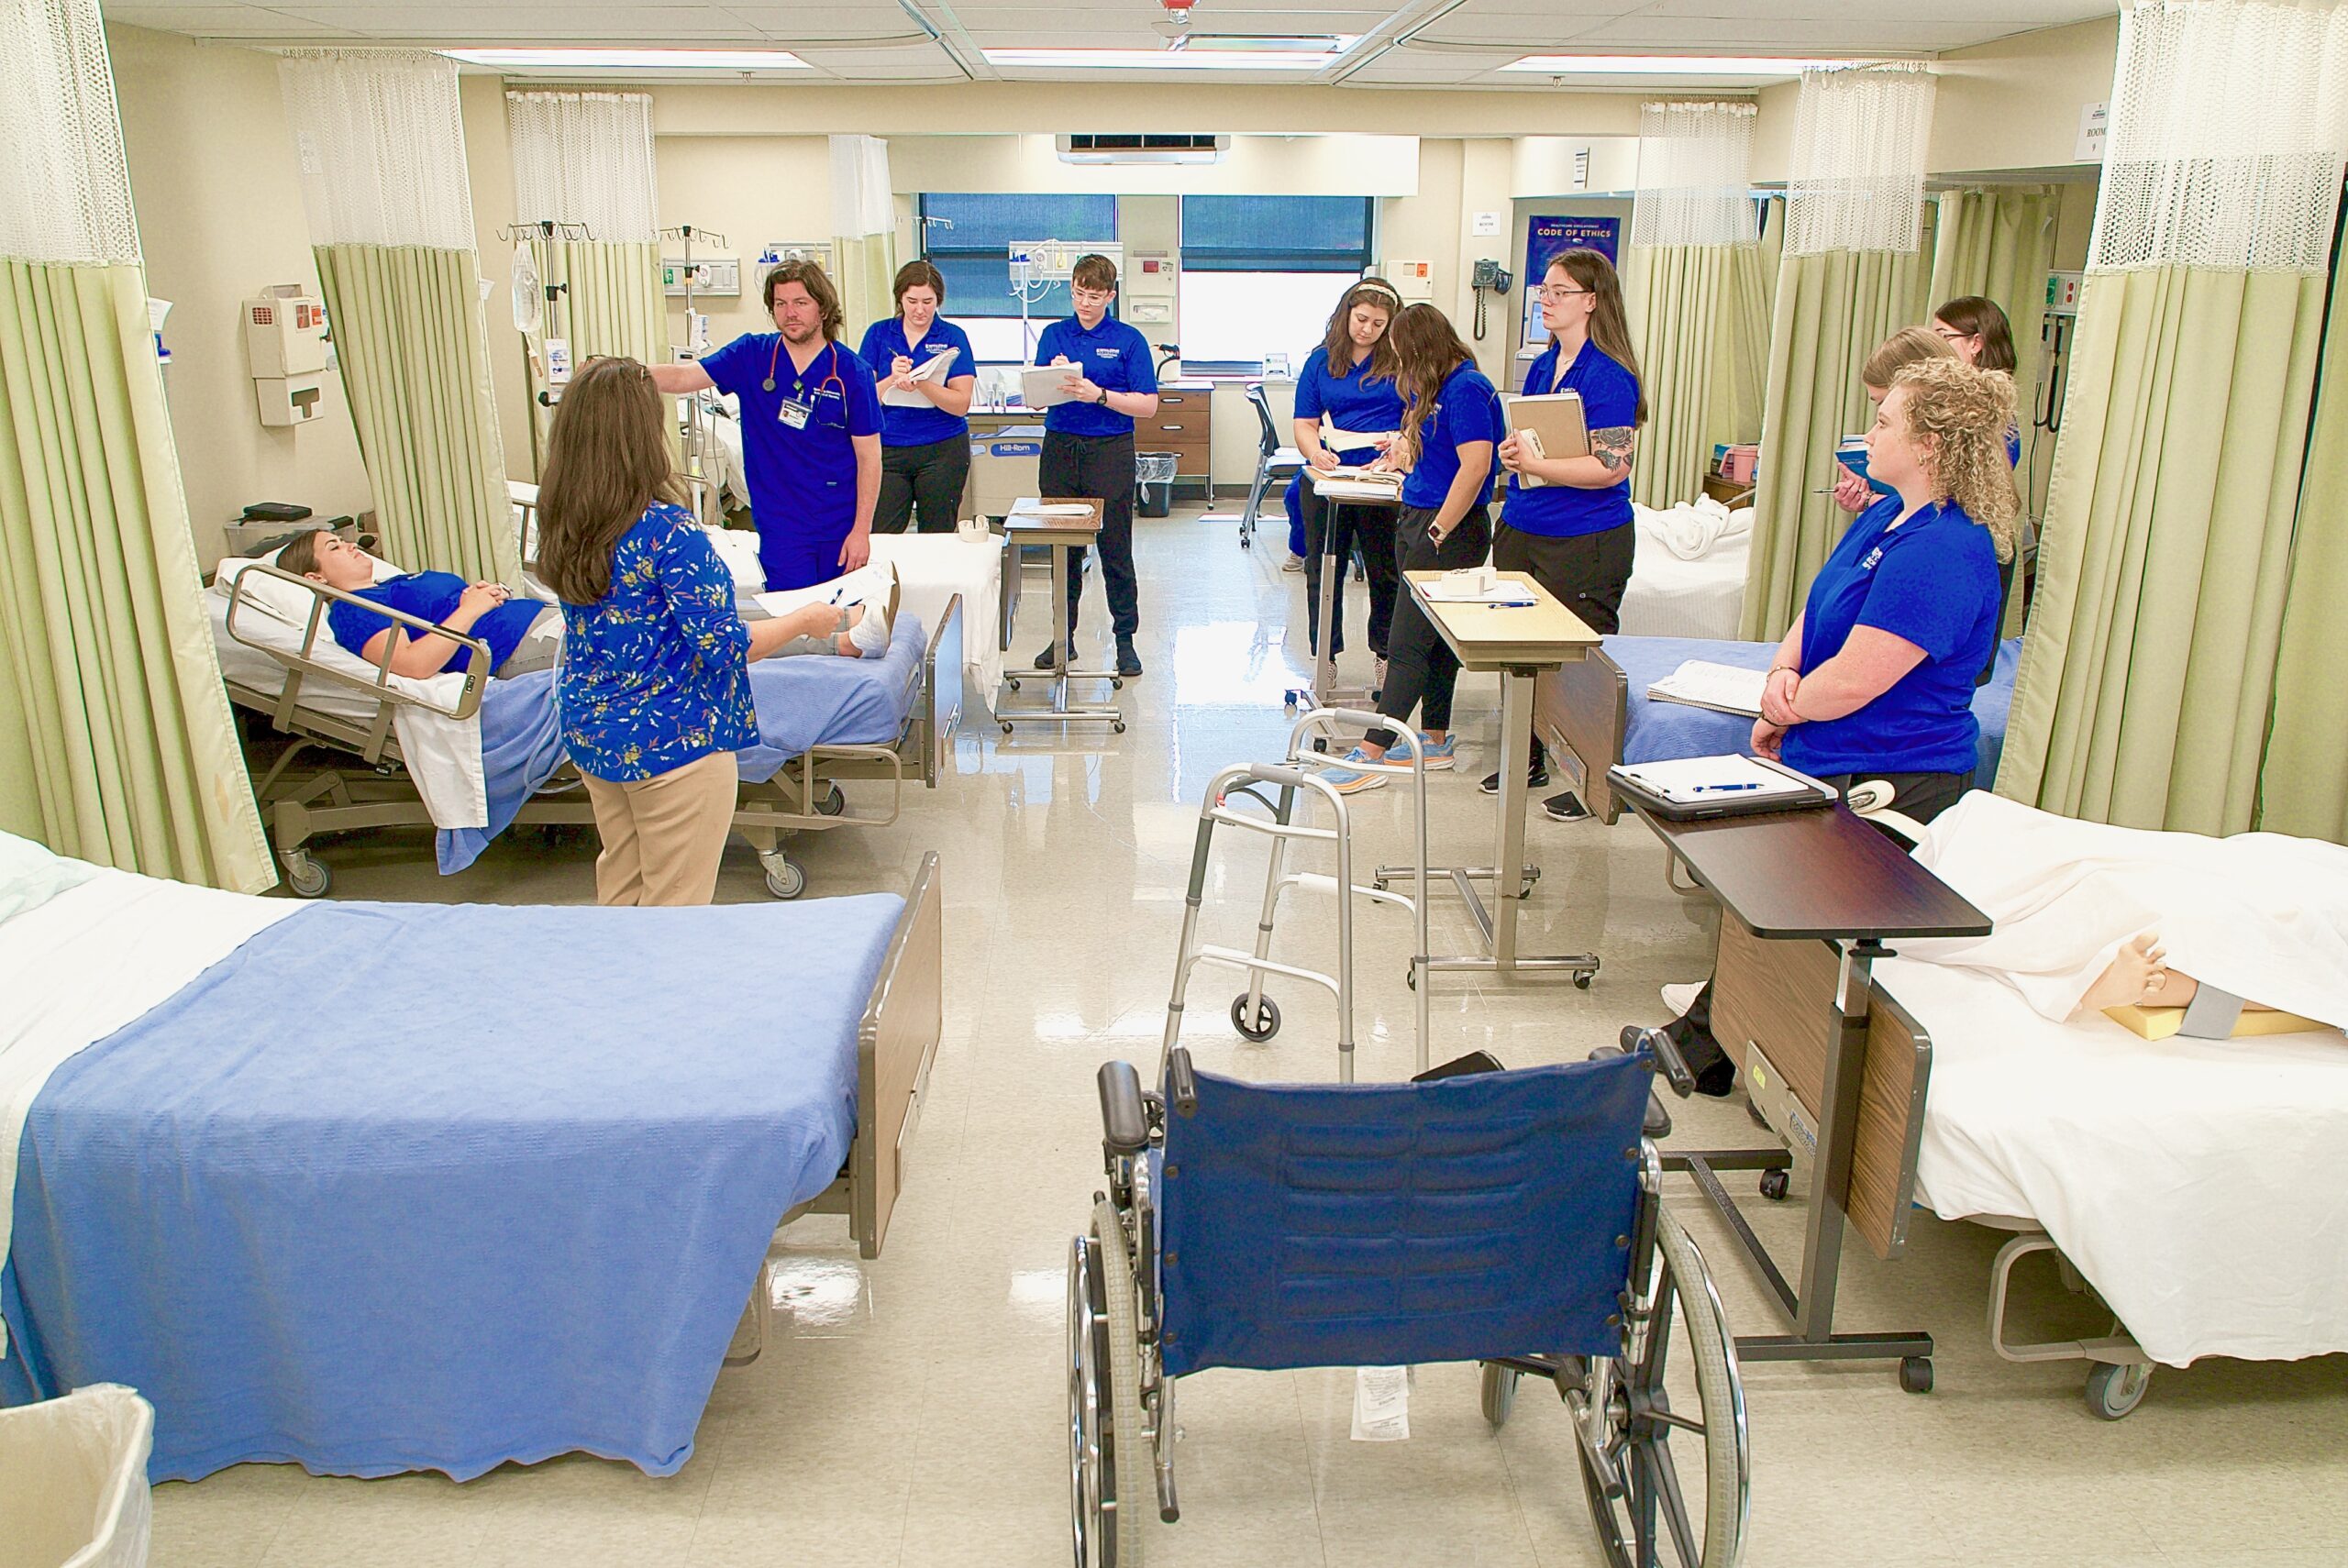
{"x": 832, "y": 803}
{"x": 1916, "y": 1373}
{"x": 785, "y": 878}
{"x": 1265, "y": 1024}
{"x": 308, "y": 876}
{"x": 2113, "y": 1391}
{"x": 1013, "y": 681}
{"x": 1774, "y": 1184}
{"x": 1499, "y": 1393}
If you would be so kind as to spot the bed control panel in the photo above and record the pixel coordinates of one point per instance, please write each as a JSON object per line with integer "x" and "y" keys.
{"x": 1766, "y": 1087}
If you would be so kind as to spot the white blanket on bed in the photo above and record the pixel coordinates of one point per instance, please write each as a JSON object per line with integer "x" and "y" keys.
{"x": 1687, "y": 572}
{"x": 2197, "y": 1184}
{"x": 90, "y": 961}
{"x": 2261, "y": 915}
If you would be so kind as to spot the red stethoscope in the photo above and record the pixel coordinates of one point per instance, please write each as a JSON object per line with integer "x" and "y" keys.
{"x": 831, "y": 377}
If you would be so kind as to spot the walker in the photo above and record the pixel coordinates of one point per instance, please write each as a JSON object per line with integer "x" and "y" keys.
{"x": 1254, "y": 1014}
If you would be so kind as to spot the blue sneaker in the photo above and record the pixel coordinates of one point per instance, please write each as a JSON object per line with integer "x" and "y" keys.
{"x": 1440, "y": 753}
{"x": 1348, "y": 781}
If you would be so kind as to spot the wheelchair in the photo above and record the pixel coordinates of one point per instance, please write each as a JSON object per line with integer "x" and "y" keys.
{"x": 1512, "y": 1219}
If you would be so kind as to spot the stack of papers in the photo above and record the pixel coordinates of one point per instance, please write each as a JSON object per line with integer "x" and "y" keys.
{"x": 1723, "y": 688}
{"x": 1697, "y": 780}
{"x": 1500, "y": 595}
{"x": 930, "y": 370}
{"x": 1357, "y": 484}
{"x": 1045, "y": 386}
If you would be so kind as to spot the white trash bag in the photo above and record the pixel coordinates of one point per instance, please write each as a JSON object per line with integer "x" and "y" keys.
{"x": 74, "y": 1480}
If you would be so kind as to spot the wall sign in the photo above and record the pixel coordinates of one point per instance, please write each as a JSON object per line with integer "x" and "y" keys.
{"x": 1543, "y": 238}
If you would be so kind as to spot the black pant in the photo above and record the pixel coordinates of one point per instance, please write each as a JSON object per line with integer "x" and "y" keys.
{"x": 1372, "y": 527}
{"x": 1101, "y": 466}
{"x": 1587, "y": 572}
{"x": 925, "y": 479}
{"x": 1922, "y": 796}
{"x": 1420, "y": 668}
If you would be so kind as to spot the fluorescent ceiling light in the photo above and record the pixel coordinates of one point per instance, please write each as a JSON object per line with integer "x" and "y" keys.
{"x": 633, "y": 59}
{"x": 1668, "y": 65}
{"x": 1218, "y": 58}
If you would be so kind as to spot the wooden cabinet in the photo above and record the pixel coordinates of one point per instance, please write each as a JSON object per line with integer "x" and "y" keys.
{"x": 1183, "y": 425}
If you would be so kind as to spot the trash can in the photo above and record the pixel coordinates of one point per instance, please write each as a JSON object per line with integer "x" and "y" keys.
{"x": 1153, "y": 472}
{"x": 74, "y": 1480}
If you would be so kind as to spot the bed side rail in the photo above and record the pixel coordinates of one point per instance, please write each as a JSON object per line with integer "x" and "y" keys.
{"x": 941, "y": 672}
{"x": 894, "y": 1046}
{"x": 302, "y": 663}
{"x": 1582, "y": 711}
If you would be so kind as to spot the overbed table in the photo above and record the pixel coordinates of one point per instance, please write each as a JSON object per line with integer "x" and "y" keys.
{"x": 1520, "y": 643}
{"x": 1059, "y": 535}
{"x": 1827, "y": 876}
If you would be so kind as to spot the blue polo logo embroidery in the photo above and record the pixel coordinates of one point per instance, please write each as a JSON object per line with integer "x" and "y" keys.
{"x": 1105, "y": 353}
{"x": 1867, "y": 562}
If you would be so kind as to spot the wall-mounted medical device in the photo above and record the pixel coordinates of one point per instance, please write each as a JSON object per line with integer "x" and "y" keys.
{"x": 285, "y": 348}
{"x": 711, "y": 274}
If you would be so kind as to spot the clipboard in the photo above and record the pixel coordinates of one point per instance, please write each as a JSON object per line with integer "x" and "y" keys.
{"x": 1551, "y": 423}
{"x": 1696, "y": 789}
{"x": 1040, "y": 385}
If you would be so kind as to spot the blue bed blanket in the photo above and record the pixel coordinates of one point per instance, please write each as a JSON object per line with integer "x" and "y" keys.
{"x": 801, "y": 702}
{"x": 1657, "y": 732}
{"x": 434, "y": 1188}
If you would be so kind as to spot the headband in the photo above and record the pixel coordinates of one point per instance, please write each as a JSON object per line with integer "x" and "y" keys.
{"x": 1381, "y": 286}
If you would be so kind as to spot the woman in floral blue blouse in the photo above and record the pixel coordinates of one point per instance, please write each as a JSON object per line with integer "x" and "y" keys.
{"x": 654, "y": 691}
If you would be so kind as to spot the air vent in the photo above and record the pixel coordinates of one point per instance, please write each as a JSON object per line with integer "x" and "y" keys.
{"x": 1142, "y": 147}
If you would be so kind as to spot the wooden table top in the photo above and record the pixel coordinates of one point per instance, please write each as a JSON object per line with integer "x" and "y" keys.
{"x": 1488, "y": 637}
{"x": 1027, "y": 528}
{"x": 1817, "y": 872}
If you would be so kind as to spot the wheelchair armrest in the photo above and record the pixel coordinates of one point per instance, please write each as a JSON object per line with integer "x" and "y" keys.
{"x": 1181, "y": 1083}
{"x": 1125, "y": 1126}
{"x": 1668, "y": 1056}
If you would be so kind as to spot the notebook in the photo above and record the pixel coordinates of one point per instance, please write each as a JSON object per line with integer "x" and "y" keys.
{"x": 930, "y": 370}
{"x": 1357, "y": 484}
{"x": 1682, "y": 788}
{"x": 1044, "y": 386}
{"x": 1550, "y": 424}
{"x": 1723, "y": 688}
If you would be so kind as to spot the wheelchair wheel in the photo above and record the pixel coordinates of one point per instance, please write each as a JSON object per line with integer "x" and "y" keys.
{"x": 1653, "y": 1501}
{"x": 1499, "y": 1394}
{"x": 1111, "y": 1487}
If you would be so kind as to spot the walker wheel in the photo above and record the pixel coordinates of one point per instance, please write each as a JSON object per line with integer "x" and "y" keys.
{"x": 1916, "y": 1373}
{"x": 1774, "y": 1184}
{"x": 1117, "y": 683}
{"x": 1006, "y": 726}
{"x": 1582, "y": 977}
{"x": 1117, "y": 726}
{"x": 1267, "y": 1018}
{"x": 1411, "y": 977}
{"x": 1013, "y": 681}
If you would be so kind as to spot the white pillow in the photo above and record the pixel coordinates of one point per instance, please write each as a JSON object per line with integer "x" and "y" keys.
{"x": 32, "y": 874}
{"x": 281, "y": 600}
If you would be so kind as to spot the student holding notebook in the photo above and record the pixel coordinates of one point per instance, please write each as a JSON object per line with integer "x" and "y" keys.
{"x": 1572, "y": 530}
{"x": 924, "y": 451}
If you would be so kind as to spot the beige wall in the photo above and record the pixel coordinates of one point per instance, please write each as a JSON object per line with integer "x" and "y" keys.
{"x": 220, "y": 218}
{"x": 752, "y": 189}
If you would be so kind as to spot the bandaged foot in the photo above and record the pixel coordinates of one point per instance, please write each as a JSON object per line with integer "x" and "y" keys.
{"x": 877, "y": 617}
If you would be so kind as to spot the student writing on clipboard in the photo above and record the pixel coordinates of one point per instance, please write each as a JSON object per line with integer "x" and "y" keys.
{"x": 1875, "y": 679}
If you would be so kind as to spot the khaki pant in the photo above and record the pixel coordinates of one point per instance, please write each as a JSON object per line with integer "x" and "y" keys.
{"x": 664, "y": 835}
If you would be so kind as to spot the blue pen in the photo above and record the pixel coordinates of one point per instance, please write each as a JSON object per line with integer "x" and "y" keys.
{"x": 1723, "y": 789}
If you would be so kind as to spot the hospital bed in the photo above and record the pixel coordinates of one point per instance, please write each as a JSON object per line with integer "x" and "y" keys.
{"x": 1594, "y": 713}
{"x": 472, "y": 758}
{"x": 376, "y": 1187}
{"x": 2183, "y": 1184}
{"x": 1687, "y": 574}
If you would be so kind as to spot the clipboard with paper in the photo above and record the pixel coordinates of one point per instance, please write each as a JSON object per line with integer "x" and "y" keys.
{"x": 1551, "y": 424}
{"x": 1045, "y": 386}
{"x": 931, "y": 369}
{"x": 1689, "y": 789}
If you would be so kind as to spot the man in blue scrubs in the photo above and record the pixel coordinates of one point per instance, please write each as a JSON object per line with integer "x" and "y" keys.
{"x": 1089, "y": 440}
{"x": 811, "y": 429}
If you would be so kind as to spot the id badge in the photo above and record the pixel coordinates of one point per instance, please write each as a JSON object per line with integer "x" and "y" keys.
{"x": 794, "y": 413}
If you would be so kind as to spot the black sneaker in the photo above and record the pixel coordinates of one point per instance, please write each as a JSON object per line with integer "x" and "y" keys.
{"x": 1044, "y": 659}
{"x": 1535, "y": 778}
{"x": 1128, "y": 661}
{"x": 1566, "y": 808}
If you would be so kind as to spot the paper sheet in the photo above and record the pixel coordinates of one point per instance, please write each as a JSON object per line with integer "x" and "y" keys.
{"x": 1723, "y": 688}
{"x": 1686, "y": 782}
{"x": 1045, "y": 386}
{"x": 930, "y": 370}
{"x": 1381, "y": 1404}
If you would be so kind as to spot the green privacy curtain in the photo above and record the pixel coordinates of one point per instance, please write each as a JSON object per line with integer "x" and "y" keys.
{"x": 1856, "y": 236}
{"x": 414, "y": 352}
{"x": 612, "y": 302}
{"x": 1832, "y": 311}
{"x": 117, "y": 744}
{"x": 380, "y": 145}
{"x": 1693, "y": 287}
{"x": 2156, "y": 660}
{"x": 1999, "y": 242}
{"x": 864, "y": 230}
{"x": 2303, "y": 780}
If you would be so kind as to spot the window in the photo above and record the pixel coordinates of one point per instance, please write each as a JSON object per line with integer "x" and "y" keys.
{"x": 1260, "y": 275}
{"x": 974, "y": 257}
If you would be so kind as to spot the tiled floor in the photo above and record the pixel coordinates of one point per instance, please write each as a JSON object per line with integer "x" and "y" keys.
{"x": 911, "y": 1409}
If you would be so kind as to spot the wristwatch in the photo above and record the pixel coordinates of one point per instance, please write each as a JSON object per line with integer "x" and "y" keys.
{"x": 1103, "y": 399}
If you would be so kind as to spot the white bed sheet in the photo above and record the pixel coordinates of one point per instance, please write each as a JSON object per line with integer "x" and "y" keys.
{"x": 1687, "y": 574}
{"x": 2196, "y": 1183}
{"x": 931, "y": 569}
{"x": 63, "y": 969}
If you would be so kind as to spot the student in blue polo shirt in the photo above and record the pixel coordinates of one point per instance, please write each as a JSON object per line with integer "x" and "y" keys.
{"x": 1875, "y": 679}
{"x": 811, "y": 429}
{"x": 1567, "y": 520}
{"x": 1977, "y": 331}
{"x": 1088, "y": 441}
{"x": 1451, "y": 424}
{"x": 925, "y": 451}
{"x": 1349, "y": 380}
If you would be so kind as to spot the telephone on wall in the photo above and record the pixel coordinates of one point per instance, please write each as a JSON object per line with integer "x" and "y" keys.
{"x": 1488, "y": 275}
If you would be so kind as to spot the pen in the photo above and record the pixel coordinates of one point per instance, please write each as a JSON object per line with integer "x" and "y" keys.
{"x": 1723, "y": 789}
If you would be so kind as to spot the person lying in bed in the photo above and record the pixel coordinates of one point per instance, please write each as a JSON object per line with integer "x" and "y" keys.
{"x": 482, "y": 610}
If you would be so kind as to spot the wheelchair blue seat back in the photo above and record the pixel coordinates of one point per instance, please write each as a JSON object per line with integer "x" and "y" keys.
{"x": 1380, "y": 1224}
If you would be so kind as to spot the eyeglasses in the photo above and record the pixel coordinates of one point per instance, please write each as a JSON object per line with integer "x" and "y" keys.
{"x": 1949, "y": 334}
{"x": 1560, "y": 292}
{"x": 1091, "y": 296}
